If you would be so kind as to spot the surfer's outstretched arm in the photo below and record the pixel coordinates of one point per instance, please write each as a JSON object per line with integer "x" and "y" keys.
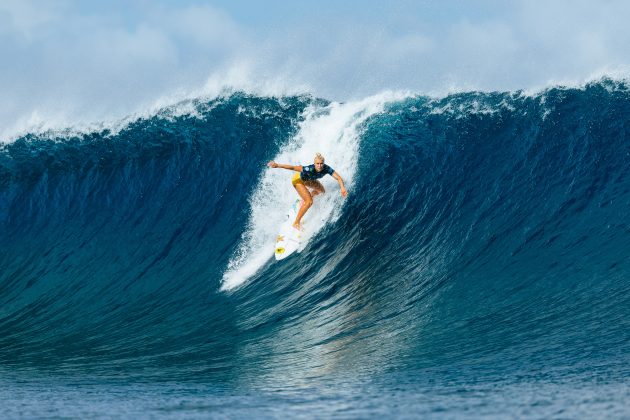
{"x": 344, "y": 192}
{"x": 296, "y": 168}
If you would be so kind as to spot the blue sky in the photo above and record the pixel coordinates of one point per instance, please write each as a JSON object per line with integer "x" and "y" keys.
{"x": 68, "y": 61}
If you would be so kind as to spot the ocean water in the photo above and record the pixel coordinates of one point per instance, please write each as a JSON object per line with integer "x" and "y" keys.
{"x": 479, "y": 266}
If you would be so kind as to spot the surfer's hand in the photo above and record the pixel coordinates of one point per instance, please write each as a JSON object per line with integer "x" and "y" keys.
{"x": 272, "y": 164}
{"x": 344, "y": 192}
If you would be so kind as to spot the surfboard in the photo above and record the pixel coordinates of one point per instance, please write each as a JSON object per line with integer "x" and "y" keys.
{"x": 289, "y": 239}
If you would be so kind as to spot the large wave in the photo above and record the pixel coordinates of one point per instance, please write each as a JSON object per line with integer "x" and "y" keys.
{"x": 480, "y": 228}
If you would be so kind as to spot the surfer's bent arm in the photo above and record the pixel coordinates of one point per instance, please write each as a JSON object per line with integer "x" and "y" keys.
{"x": 296, "y": 168}
{"x": 344, "y": 192}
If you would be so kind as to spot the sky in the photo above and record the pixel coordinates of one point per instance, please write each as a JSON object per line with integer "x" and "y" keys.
{"x": 66, "y": 62}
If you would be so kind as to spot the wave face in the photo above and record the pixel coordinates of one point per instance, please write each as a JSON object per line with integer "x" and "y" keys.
{"x": 484, "y": 240}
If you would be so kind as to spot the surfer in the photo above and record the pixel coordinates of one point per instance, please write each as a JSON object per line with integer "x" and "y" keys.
{"x": 306, "y": 183}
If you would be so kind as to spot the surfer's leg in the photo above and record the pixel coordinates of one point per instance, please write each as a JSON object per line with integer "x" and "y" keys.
{"x": 308, "y": 202}
{"x": 316, "y": 187}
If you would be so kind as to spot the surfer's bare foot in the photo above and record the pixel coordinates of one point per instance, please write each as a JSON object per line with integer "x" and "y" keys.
{"x": 297, "y": 226}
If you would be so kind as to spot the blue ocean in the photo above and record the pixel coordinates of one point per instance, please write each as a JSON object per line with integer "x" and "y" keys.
{"x": 479, "y": 267}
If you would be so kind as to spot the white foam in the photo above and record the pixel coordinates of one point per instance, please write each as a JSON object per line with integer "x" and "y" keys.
{"x": 59, "y": 125}
{"x": 335, "y": 132}
{"x": 67, "y": 119}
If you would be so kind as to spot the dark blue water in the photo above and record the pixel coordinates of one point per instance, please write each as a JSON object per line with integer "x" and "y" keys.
{"x": 479, "y": 267}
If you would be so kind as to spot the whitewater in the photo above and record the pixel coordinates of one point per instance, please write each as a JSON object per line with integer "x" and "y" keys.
{"x": 478, "y": 267}
{"x": 335, "y": 128}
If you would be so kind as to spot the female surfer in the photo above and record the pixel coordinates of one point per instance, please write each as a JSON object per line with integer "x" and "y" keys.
{"x": 306, "y": 183}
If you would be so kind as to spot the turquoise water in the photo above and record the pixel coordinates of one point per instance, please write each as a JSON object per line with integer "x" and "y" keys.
{"x": 478, "y": 267}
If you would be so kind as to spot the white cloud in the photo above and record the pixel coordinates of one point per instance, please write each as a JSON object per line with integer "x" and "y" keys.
{"x": 84, "y": 67}
{"x": 62, "y": 64}
{"x": 24, "y": 19}
{"x": 206, "y": 27}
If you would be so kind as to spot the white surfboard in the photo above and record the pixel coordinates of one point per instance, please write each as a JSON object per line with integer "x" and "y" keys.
{"x": 289, "y": 239}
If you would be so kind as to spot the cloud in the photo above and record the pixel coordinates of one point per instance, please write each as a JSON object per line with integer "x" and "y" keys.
{"x": 24, "y": 19}
{"x": 69, "y": 62}
{"x": 205, "y": 27}
{"x": 63, "y": 66}
{"x": 574, "y": 36}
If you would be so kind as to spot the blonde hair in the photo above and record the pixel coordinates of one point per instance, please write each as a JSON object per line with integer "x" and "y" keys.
{"x": 319, "y": 156}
